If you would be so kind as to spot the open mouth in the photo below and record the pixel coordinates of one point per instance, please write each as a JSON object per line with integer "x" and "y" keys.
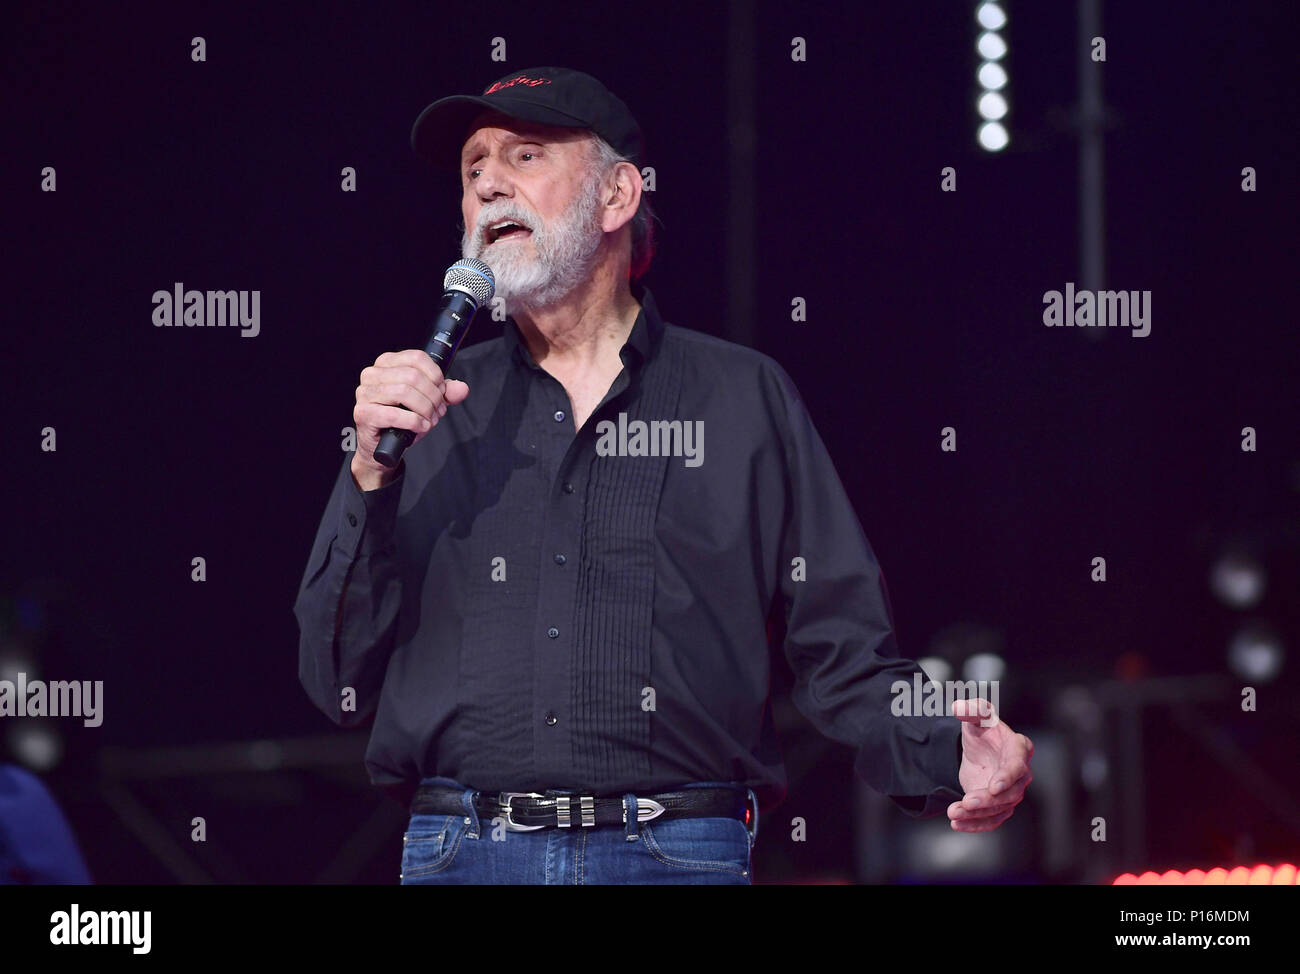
{"x": 506, "y": 230}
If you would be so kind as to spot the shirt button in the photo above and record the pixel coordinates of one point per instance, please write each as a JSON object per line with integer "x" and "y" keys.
{"x": 568, "y": 488}
{"x": 553, "y": 632}
{"x": 560, "y": 559}
{"x": 352, "y": 520}
{"x": 551, "y": 720}
{"x": 559, "y": 415}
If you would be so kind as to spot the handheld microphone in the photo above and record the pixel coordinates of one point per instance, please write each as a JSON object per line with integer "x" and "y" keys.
{"x": 467, "y": 285}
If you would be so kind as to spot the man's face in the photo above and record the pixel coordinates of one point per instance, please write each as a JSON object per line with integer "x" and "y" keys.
{"x": 531, "y": 211}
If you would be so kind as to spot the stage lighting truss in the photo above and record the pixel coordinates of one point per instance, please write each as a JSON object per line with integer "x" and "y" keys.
{"x": 993, "y": 134}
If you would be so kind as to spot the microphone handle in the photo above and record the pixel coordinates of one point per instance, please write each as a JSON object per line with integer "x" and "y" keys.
{"x": 453, "y": 322}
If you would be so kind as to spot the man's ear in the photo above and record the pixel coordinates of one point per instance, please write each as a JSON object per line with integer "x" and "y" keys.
{"x": 624, "y": 196}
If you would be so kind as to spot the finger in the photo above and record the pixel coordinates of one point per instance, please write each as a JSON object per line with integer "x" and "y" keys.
{"x": 975, "y": 710}
{"x": 1016, "y": 768}
{"x": 978, "y": 802}
{"x": 455, "y": 391}
{"x": 974, "y": 820}
{"x": 983, "y": 799}
{"x": 421, "y": 375}
{"x": 380, "y": 417}
{"x": 427, "y": 379}
{"x": 422, "y": 401}
{"x": 1008, "y": 775}
{"x": 963, "y": 814}
{"x": 982, "y": 826}
{"x": 417, "y": 358}
{"x": 411, "y": 358}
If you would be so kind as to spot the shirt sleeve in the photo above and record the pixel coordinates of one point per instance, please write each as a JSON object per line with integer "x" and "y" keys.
{"x": 36, "y": 843}
{"x": 840, "y": 633}
{"x": 348, "y": 601}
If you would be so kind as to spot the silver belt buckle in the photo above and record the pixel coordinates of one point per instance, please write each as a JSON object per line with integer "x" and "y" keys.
{"x": 646, "y": 809}
{"x": 752, "y": 800}
{"x": 504, "y": 799}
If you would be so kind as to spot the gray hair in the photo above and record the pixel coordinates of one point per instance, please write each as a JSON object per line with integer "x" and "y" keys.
{"x": 603, "y": 158}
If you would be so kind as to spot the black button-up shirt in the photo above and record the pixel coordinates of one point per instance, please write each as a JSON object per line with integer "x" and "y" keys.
{"x": 525, "y": 607}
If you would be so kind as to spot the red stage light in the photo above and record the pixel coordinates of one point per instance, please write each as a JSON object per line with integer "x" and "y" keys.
{"x": 1261, "y": 875}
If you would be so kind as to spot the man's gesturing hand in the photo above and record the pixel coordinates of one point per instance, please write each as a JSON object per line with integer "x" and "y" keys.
{"x": 411, "y": 379}
{"x": 994, "y": 768}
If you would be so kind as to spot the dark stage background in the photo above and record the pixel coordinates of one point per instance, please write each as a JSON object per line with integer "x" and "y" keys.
{"x": 775, "y": 179}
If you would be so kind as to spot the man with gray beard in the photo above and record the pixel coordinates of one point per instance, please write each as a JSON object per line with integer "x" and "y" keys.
{"x": 563, "y": 254}
{"x": 566, "y": 651}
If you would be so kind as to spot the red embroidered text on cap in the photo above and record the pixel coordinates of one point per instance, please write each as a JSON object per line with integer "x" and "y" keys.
{"x": 520, "y": 80}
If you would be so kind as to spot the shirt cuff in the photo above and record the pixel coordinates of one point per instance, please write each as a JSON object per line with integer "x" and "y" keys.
{"x": 368, "y": 518}
{"x": 944, "y": 735}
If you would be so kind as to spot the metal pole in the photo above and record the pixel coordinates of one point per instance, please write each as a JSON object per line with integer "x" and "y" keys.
{"x": 1092, "y": 207}
{"x": 741, "y": 222}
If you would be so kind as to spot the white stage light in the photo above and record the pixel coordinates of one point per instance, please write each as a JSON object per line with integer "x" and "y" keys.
{"x": 992, "y": 106}
{"x": 993, "y": 136}
{"x": 991, "y": 46}
{"x": 991, "y": 16}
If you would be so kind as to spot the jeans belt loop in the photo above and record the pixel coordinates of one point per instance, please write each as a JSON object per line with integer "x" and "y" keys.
{"x": 468, "y": 800}
{"x": 630, "y": 821}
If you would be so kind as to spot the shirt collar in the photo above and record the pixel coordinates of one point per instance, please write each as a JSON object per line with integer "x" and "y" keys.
{"x": 640, "y": 346}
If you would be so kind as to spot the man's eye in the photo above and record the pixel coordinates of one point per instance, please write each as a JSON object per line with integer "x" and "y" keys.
{"x": 474, "y": 172}
{"x": 525, "y": 155}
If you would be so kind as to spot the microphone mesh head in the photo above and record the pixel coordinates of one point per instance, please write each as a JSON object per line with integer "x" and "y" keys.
{"x": 473, "y": 276}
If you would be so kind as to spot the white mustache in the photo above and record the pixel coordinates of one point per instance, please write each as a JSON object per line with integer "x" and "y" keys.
{"x": 516, "y": 213}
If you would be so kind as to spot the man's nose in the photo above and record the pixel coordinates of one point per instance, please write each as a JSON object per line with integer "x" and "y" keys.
{"x": 492, "y": 182}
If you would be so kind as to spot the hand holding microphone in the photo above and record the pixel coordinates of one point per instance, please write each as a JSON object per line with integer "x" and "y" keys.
{"x": 404, "y": 394}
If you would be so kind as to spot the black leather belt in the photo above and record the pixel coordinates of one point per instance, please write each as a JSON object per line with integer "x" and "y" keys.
{"x": 528, "y": 811}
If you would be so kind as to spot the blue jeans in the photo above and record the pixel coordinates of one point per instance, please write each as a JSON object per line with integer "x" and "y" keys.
{"x": 465, "y": 849}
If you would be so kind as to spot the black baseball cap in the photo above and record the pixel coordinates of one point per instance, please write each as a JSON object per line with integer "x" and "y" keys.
{"x": 547, "y": 96}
